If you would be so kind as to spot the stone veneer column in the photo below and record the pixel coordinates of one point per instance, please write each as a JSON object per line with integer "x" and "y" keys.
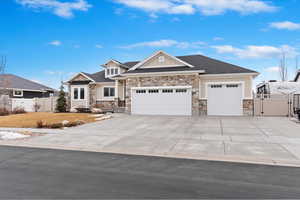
{"x": 248, "y": 107}
{"x": 203, "y": 107}
{"x": 92, "y": 95}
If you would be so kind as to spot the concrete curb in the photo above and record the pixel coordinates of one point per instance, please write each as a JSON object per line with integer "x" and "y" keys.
{"x": 232, "y": 159}
{"x": 33, "y": 130}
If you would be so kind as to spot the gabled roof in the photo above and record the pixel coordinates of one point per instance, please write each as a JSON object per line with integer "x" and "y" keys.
{"x": 16, "y": 82}
{"x": 118, "y": 63}
{"x": 209, "y": 65}
{"x": 139, "y": 64}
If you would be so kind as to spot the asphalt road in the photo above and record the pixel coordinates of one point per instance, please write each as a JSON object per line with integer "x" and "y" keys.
{"x": 41, "y": 173}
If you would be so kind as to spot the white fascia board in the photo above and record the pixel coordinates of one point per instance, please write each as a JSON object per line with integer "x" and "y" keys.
{"x": 80, "y": 73}
{"x": 116, "y": 62}
{"x": 232, "y": 74}
{"x": 26, "y": 89}
{"x": 161, "y": 87}
{"x": 164, "y": 73}
{"x": 155, "y": 54}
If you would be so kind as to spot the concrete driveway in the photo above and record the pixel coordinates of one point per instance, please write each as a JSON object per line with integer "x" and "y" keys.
{"x": 243, "y": 139}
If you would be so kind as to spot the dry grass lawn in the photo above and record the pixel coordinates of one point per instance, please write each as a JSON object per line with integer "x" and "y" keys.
{"x": 29, "y": 120}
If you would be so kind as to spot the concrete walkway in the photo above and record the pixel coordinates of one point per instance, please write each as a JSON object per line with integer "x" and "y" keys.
{"x": 274, "y": 141}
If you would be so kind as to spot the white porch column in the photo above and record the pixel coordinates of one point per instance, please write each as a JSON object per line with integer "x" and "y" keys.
{"x": 116, "y": 89}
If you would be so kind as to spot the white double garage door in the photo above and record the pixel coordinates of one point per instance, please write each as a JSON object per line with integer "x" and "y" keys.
{"x": 222, "y": 100}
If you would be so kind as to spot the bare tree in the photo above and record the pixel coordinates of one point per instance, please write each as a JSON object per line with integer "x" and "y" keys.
{"x": 4, "y": 102}
{"x": 283, "y": 71}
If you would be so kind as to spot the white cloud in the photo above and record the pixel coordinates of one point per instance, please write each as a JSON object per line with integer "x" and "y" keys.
{"x": 55, "y": 43}
{"x": 165, "y": 43}
{"x": 272, "y": 69}
{"x": 218, "y": 38}
{"x": 206, "y": 7}
{"x": 60, "y": 8}
{"x": 98, "y": 46}
{"x": 285, "y": 25}
{"x": 253, "y": 51}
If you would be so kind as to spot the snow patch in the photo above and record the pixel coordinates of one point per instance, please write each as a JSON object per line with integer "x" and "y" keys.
{"x": 5, "y": 135}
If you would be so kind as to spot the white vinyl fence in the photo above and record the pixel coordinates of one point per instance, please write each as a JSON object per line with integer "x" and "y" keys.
{"x": 44, "y": 104}
{"x": 27, "y": 104}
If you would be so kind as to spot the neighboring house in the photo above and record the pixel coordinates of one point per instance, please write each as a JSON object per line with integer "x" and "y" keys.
{"x": 278, "y": 87}
{"x": 18, "y": 87}
{"x": 274, "y": 87}
{"x": 166, "y": 85}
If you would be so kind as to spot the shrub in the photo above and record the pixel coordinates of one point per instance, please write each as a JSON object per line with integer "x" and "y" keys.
{"x": 71, "y": 124}
{"x": 61, "y": 105}
{"x": 18, "y": 110}
{"x": 40, "y": 124}
{"x": 55, "y": 125}
{"x": 4, "y": 112}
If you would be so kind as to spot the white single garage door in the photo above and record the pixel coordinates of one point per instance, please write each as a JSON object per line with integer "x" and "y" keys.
{"x": 225, "y": 99}
{"x": 162, "y": 101}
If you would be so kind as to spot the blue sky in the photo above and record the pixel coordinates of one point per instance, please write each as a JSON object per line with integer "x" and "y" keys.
{"x": 46, "y": 40}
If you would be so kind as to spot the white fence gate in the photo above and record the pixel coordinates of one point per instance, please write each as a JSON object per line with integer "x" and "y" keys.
{"x": 47, "y": 104}
{"x": 27, "y": 104}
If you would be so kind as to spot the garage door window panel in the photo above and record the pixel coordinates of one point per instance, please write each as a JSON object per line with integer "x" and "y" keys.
{"x": 167, "y": 91}
{"x": 181, "y": 90}
{"x": 153, "y": 91}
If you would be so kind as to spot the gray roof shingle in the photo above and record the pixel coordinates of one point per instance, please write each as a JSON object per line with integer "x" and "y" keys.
{"x": 98, "y": 76}
{"x": 17, "y": 82}
{"x": 209, "y": 65}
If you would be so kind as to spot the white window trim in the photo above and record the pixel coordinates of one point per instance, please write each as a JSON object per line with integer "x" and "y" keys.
{"x": 109, "y": 97}
{"x": 112, "y": 69}
{"x": 79, "y": 93}
{"x": 16, "y": 95}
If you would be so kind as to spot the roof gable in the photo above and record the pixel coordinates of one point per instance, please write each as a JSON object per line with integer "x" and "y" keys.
{"x": 161, "y": 59}
{"x": 81, "y": 77}
{"x": 115, "y": 63}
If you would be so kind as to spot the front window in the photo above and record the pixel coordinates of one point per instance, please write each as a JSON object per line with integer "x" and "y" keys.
{"x": 116, "y": 71}
{"x": 82, "y": 93}
{"x": 18, "y": 93}
{"x": 109, "y": 92}
{"x": 75, "y": 93}
{"x": 107, "y": 71}
{"x": 112, "y": 71}
{"x": 79, "y": 93}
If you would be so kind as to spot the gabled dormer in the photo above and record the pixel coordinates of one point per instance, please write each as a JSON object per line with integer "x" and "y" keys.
{"x": 114, "y": 68}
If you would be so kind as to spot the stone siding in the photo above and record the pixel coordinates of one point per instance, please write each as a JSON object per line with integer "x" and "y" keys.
{"x": 203, "y": 107}
{"x": 248, "y": 106}
{"x": 105, "y": 104}
{"x": 92, "y": 95}
{"x": 156, "y": 81}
